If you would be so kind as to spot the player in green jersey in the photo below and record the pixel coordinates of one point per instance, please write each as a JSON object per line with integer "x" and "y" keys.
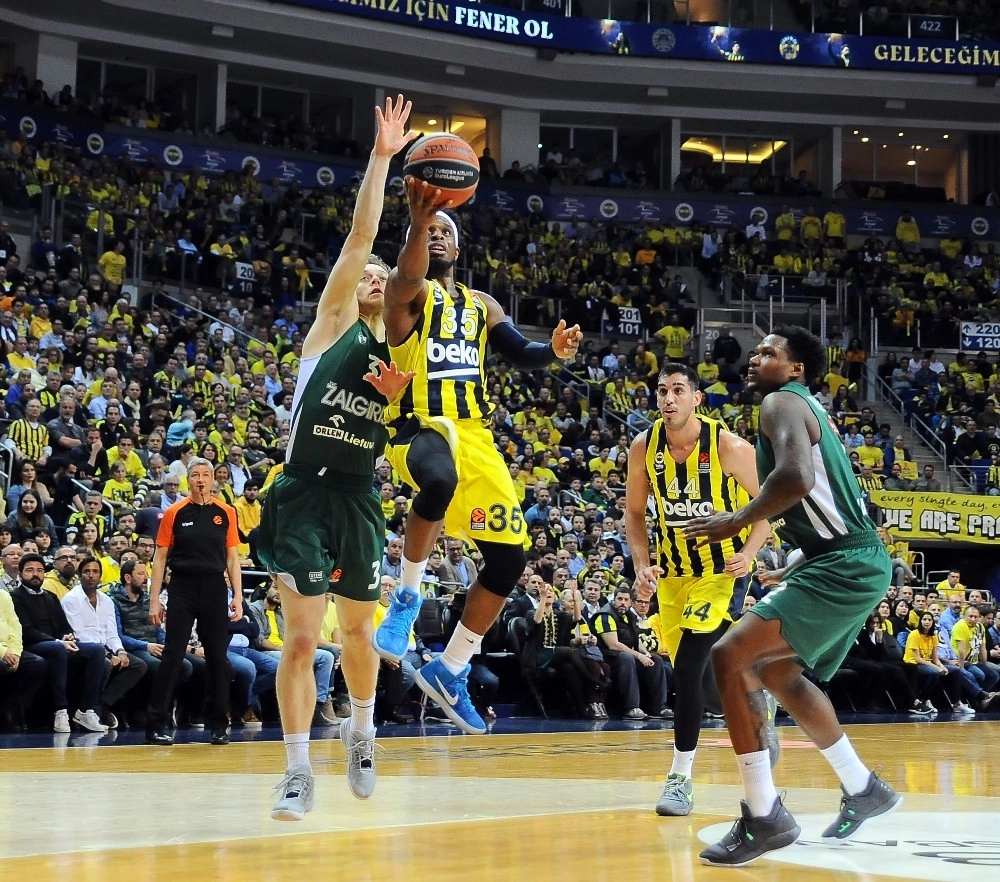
{"x": 809, "y": 620}
{"x": 322, "y": 526}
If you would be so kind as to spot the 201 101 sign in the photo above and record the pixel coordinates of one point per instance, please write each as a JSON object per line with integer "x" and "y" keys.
{"x": 630, "y": 322}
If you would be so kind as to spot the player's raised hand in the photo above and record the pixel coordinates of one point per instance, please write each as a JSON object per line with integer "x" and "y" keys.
{"x": 423, "y": 201}
{"x": 646, "y": 581}
{"x": 389, "y": 379}
{"x": 392, "y": 135}
{"x": 565, "y": 341}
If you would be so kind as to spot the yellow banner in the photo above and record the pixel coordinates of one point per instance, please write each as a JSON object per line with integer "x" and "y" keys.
{"x": 939, "y": 515}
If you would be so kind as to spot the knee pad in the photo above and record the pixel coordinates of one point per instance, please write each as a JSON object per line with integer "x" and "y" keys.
{"x": 435, "y": 495}
{"x": 432, "y": 467}
{"x": 502, "y": 567}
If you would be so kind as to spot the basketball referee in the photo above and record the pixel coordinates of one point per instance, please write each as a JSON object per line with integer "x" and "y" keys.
{"x": 198, "y": 540}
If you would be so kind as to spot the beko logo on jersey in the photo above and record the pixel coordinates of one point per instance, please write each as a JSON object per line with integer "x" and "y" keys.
{"x": 688, "y": 508}
{"x": 356, "y": 405}
{"x": 457, "y": 353}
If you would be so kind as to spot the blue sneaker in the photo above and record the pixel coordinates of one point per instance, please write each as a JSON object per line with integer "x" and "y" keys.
{"x": 451, "y": 693}
{"x": 393, "y": 635}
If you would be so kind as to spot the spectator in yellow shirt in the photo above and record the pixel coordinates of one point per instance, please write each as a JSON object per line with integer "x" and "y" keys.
{"x": 871, "y": 454}
{"x": 124, "y": 451}
{"x": 602, "y": 463}
{"x": 40, "y": 324}
{"x": 635, "y": 385}
{"x": 675, "y": 338}
{"x": 950, "y": 247}
{"x": 784, "y": 262}
{"x": 811, "y": 227}
{"x": 119, "y": 490}
{"x": 936, "y": 276}
{"x": 785, "y": 225}
{"x": 646, "y": 363}
{"x": 19, "y": 359}
{"x": 708, "y": 370}
{"x": 834, "y": 226}
{"x": 112, "y": 266}
{"x": 908, "y": 233}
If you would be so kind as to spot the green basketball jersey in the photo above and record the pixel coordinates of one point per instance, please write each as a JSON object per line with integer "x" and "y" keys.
{"x": 337, "y": 424}
{"x": 833, "y": 511}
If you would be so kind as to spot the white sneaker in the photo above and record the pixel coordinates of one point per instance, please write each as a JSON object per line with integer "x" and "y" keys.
{"x": 89, "y": 720}
{"x": 61, "y": 722}
{"x": 962, "y": 708}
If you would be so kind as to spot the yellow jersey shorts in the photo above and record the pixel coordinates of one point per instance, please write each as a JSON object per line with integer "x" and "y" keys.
{"x": 485, "y": 505}
{"x": 692, "y": 603}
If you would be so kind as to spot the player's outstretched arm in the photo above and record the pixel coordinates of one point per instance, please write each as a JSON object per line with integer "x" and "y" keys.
{"x": 786, "y": 420}
{"x": 508, "y": 342}
{"x": 391, "y": 138}
{"x": 408, "y": 279}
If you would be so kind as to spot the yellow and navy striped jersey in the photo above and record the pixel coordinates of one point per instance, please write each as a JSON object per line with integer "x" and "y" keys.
{"x": 447, "y": 349}
{"x": 30, "y": 440}
{"x": 834, "y": 356}
{"x": 684, "y": 490}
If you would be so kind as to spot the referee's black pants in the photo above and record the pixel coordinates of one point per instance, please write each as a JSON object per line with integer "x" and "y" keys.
{"x": 203, "y": 597}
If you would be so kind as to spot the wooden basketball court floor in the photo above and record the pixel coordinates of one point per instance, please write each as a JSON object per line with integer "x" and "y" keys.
{"x": 561, "y": 802}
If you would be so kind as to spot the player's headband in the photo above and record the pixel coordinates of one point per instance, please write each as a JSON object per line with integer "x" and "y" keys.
{"x": 446, "y": 218}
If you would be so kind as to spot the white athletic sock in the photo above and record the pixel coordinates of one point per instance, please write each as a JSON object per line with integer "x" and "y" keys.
{"x": 411, "y": 574}
{"x": 853, "y": 773}
{"x": 363, "y": 716}
{"x": 297, "y": 750}
{"x": 463, "y": 645}
{"x": 682, "y": 763}
{"x": 758, "y": 785}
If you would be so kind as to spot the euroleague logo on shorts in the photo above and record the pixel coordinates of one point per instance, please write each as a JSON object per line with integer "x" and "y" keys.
{"x": 337, "y": 575}
{"x": 477, "y": 520}
{"x": 217, "y": 520}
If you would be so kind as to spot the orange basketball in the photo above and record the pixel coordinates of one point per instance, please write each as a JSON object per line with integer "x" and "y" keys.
{"x": 446, "y": 162}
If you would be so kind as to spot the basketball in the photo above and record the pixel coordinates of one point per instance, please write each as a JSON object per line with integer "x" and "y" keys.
{"x": 446, "y": 162}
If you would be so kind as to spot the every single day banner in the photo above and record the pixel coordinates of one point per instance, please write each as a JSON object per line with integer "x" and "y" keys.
{"x": 957, "y": 516}
{"x": 724, "y": 45}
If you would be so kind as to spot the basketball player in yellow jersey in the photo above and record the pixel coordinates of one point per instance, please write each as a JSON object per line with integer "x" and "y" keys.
{"x": 440, "y": 442}
{"x": 688, "y": 464}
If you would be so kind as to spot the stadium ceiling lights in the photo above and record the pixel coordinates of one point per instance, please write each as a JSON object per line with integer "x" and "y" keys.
{"x": 713, "y": 147}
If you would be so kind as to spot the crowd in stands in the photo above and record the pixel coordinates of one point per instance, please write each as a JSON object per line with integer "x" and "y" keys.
{"x": 290, "y": 132}
{"x": 959, "y": 403}
{"x": 916, "y": 291}
{"x": 287, "y": 131}
{"x": 106, "y": 402}
{"x": 936, "y": 649}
